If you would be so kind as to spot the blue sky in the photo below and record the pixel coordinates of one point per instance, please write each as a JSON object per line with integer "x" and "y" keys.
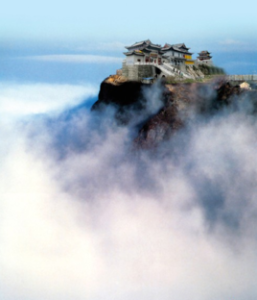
{"x": 111, "y": 20}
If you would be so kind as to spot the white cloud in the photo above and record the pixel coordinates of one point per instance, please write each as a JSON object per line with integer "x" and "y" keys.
{"x": 231, "y": 45}
{"x": 103, "y": 223}
{"x": 77, "y": 58}
{"x": 106, "y": 46}
{"x": 231, "y": 42}
{"x": 23, "y": 99}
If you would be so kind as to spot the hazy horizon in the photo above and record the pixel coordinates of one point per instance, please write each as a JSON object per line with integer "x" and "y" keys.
{"x": 80, "y": 62}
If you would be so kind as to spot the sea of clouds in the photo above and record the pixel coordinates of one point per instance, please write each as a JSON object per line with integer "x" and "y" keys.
{"x": 85, "y": 216}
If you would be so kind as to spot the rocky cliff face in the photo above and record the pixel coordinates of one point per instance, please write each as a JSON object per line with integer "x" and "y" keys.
{"x": 123, "y": 94}
{"x": 129, "y": 99}
{"x": 179, "y": 104}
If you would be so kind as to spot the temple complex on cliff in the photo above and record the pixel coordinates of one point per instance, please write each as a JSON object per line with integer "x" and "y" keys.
{"x": 145, "y": 59}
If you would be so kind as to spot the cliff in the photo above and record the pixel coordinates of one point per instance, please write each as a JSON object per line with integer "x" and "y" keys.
{"x": 126, "y": 93}
{"x": 179, "y": 103}
{"x": 128, "y": 98}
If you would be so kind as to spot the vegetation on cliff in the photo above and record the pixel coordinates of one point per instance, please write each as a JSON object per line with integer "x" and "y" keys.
{"x": 209, "y": 70}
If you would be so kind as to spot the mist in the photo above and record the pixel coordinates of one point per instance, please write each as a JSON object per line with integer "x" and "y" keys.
{"x": 83, "y": 215}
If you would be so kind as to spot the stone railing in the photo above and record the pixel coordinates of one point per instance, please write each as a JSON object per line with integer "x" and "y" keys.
{"x": 147, "y": 63}
{"x": 242, "y": 77}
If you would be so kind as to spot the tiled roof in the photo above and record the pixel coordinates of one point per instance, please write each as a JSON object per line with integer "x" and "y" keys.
{"x": 204, "y": 52}
{"x": 146, "y": 42}
{"x": 148, "y": 46}
{"x": 180, "y": 45}
{"x": 135, "y": 52}
{"x": 175, "y": 48}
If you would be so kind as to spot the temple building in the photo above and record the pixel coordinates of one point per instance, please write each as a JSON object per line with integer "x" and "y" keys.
{"x": 204, "y": 57}
{"x": 143, "y": 52}
{"x": 146, "y": 59}
{"x": 177, "y": 54}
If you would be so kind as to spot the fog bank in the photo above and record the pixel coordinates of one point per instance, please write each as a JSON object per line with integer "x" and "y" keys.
{"x": 84, "y": 216}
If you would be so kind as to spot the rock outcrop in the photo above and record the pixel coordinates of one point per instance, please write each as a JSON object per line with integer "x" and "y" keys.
{"x": 179, "y": 103}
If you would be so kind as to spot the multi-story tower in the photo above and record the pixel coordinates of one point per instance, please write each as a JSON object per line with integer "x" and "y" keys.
{"x": 204, "y": 57}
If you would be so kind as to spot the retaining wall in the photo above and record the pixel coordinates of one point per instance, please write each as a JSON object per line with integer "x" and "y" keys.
{"x": 242, "y": 77}
{"x": 137, "y": 72}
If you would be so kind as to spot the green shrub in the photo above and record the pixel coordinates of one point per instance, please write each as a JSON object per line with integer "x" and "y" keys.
{"x": 211, "y": 70}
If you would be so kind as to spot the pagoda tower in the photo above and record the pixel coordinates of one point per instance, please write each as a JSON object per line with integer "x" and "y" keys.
{"x": 204, "y": 57}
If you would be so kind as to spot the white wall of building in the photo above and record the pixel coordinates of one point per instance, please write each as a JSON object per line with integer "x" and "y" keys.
{"x": 132, "y": 59}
